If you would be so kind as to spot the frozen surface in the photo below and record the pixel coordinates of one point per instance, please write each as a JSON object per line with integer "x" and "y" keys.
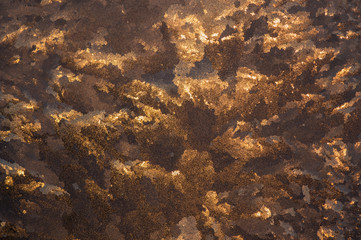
{"x": 180, "y": 119}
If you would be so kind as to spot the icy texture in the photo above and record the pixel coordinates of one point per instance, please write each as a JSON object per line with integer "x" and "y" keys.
{"x": 173, "y": 119}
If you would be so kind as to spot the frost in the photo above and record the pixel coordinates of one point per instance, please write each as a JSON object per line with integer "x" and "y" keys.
{"x": 169, "y": 119}
{"x": 306, "y": 194}
{"x": 11, "y": 168}
{"x": 288, "y": 228}
{"x": 336, "y": 154}
{"x": 51, "y": 189}
{"x": 188, "y": 229}
{"x": 333, "y": 204}
{"x": 264, "y": 213}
